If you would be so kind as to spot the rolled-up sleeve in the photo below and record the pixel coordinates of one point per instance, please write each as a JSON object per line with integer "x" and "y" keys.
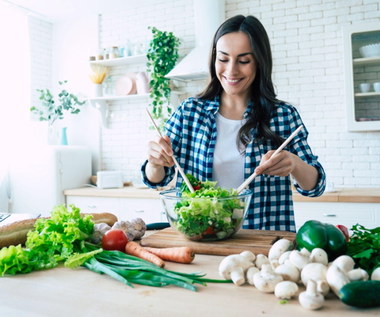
{"x": 169, "y": 174}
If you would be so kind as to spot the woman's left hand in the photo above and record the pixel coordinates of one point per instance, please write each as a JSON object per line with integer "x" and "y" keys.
{"x": 281, "y": 164}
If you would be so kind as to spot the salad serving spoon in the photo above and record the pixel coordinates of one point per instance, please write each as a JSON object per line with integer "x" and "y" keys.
{"x": 285, "y": 143}
{"x": 180, "y": 170}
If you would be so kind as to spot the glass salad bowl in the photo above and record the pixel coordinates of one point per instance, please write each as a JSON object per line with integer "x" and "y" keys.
{"x": 205, "y": 218}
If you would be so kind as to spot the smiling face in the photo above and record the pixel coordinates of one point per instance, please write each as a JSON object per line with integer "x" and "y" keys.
{"x": 235, "y": 65}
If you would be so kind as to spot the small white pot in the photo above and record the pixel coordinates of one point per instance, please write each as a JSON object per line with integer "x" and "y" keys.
{"x": 365, "y": 87}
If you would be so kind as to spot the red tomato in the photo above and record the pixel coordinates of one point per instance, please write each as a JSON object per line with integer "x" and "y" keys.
{"x": 114, "y": 239}
{"x": 209, "y": 230}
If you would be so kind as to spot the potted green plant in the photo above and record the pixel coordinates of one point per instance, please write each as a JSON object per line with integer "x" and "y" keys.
{"x": 49, "y": 110}
{"x": 162, "y": 56}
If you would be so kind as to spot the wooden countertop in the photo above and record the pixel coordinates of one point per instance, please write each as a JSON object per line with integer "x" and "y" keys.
{"x": 353, "y": 195}
{"x": 80, "y": 292}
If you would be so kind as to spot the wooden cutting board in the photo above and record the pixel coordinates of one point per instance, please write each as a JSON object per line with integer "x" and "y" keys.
{"x": 257, "y": 241}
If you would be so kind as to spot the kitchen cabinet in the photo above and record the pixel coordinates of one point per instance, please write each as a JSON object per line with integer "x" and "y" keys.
{"x": 346, "y": 206}
{"x": 150, "y": 210}
{"x": 363, "y": 108}
{"x": 343, "y": 213}
{"x": 102, "y": 103}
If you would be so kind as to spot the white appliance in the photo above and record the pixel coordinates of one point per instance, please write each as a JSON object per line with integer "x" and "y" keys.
{"x": 109, "y": 179}
{"x": 38, "y": 178}
{"x": 208, "y": 15}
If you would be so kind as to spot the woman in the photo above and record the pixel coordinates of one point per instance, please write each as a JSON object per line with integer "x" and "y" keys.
{"x": 232, "y": 129}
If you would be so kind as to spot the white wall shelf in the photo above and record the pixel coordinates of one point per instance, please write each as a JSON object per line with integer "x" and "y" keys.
{"x": 117, "y": 98}
{"x": 363, "y": 109}
{"x": 102, "y": 103}
{"x": 367, "y": 94}
{"x": 367, "y": 60}
{"x": 120, "y": 61}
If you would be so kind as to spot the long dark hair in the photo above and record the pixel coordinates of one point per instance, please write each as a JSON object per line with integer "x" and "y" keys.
{"x": 261, "y": 91}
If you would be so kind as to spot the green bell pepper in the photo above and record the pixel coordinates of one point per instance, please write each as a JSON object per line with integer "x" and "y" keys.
{"x": 315, "y": 234}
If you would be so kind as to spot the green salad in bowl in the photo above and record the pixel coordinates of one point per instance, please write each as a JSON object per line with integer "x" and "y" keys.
{"x": 210, "y": 213}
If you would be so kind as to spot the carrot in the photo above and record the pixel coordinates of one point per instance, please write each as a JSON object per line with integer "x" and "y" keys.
{"x": 174, "y": 254}
{"x": 133, "y": 248}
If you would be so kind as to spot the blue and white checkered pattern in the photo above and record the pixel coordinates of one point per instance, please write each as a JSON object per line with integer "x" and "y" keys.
{"x": 192, "y": 130}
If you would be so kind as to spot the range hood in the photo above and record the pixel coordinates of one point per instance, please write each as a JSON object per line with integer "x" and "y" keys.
{"x": 208, "y": 15}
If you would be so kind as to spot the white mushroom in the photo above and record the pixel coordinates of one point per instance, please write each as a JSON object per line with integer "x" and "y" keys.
{"x": 311, "y": 299}
{"x": 316, "y": 272}
{"x": 358, "y": 275}
{"x": 288, "y": 271}
{"x": 375, "y": 276}
{"x": 278, "y": 248}
{"x": 319, "y": 255}
{"x": 250, "y": 273}
{"x": 284, "y": 257}
{"x": 344, "y": 262}
{"x": 234, "y": 266}
{"x": 274, "y": 263}
{"x": 336, "y": 278}
{"x": 266, "y": 279}
{"x": 286, "y": 290}
{"x": 261, "y": 259}
{"x": 299, "y": 258}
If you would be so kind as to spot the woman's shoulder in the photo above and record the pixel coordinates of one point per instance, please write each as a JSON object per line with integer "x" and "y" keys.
{"x": 197, "y": 105}
{"x": 286, "y": 109}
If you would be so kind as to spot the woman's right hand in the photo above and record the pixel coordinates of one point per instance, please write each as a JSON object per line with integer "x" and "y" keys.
{"x": 160, "y": 152}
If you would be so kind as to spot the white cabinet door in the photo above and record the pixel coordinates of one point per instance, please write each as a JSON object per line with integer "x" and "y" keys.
{"x": 150, "y": 210}
{"x": 96, "y": 204}
{"x": 348, "y": 214}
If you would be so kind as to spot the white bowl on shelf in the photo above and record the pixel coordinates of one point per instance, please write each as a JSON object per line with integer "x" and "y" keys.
{"x": 371, "y": 50}
{"x": 376, "y": 86}
{"x": 365, "y": 87}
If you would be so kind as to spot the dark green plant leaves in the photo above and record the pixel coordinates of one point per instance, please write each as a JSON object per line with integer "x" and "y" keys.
{"x": 364, "y": 247}
{"x": 162, "y": 56}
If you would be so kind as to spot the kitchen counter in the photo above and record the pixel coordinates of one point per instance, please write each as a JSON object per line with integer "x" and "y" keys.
{"x": 80, "y": 292}
{"x": 354, "y": 195}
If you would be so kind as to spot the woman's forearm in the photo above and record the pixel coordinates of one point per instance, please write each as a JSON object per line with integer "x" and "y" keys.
{"x": 305, "y": 174}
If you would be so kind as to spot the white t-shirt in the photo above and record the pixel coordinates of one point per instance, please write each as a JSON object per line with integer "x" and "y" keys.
{"x": 228, "y": 167}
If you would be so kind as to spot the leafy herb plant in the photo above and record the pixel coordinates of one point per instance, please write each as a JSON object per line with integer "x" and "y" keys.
{"x": 162, "y": 56}
{"x": 364, "y": 247}
{"x": 50, "y": 110}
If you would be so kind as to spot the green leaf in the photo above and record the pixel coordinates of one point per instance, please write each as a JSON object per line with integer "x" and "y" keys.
{"x": 364, "y": 254}
{"x": 77, "y": 259}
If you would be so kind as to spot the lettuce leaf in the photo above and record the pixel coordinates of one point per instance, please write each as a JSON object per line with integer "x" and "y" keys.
{"x": 52, "y": 241}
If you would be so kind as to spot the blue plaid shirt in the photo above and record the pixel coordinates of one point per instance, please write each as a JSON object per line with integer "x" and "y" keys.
{"x": 192, "y": 130}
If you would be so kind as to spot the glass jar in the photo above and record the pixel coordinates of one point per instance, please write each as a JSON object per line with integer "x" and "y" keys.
{"x": 114, "y": 52}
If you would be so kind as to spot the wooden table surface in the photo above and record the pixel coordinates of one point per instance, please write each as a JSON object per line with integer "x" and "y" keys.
{"x": 80, "y": 292}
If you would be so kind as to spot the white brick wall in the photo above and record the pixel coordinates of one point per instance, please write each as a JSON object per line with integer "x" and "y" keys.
{"x": 41, "y": 41}
{"x": 307, "y": 45}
